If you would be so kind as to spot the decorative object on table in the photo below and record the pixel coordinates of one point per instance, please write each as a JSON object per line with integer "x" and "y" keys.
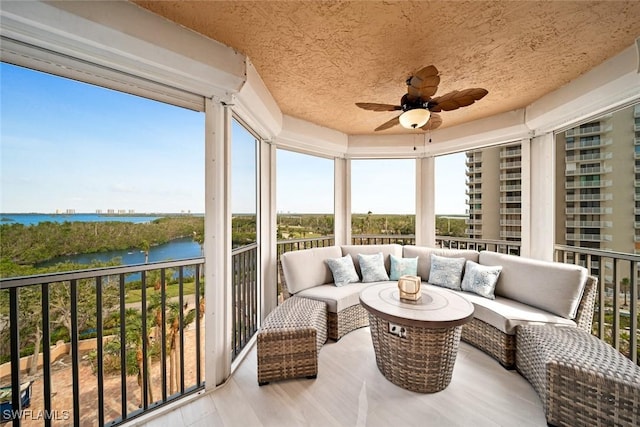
{"x": 409, "y": 287}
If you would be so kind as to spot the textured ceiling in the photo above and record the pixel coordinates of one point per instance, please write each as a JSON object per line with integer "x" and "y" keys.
{"x": 318, "y": 58}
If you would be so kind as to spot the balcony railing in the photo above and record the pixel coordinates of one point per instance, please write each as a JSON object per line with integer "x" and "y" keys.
{"x": 500, "y": 246}
{"x": 510, "y": 164}
{"x": 589, "y": 143}
{"x": 616, "y": 318}
{"x": 511, "y": 199}
{"x": 510, "y": 153}
{"x": 245, "y": 295}
{"x": 511, "y": 187}
{"x": 588, "y": 211}
{"x": 510, "y": 176}
{"x": 589, "y": 130}
{"x": 588, "y": 184}
{"x": 588, "y": 197}
{"x": 578, "y": 237}
{"x": 381, "y": 239}
{"x": 161, "y": 330}
{"x": 592, "y": 170}
{"x": 146, "y": 320}
{"x": 510, "y": 234}
{"x": 508, "y": 211}
{"x": 589, "y": 224}
{"x": 161, "y": 324}
{"x": 589, "y": 157}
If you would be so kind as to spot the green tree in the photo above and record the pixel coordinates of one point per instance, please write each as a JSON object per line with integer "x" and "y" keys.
{"x": 625, "y": 288}
{"x": 134, "y": 355}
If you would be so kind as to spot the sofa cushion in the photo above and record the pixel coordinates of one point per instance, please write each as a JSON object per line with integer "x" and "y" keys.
{"x": 506, "y": 314}
{"x": 403, "y": 267}
{"x": 551, "y": 286}
{"x": 307, "y": 268}
{"x": 424, "y": 257}
{"x": 337, "y": 299}
{"x": 343, "y": 270}
{"x": 372, "y": 268}
{"x": 480, "y": 279}
{"x": 446, "y": 272}
{"x": 386, "y": 250}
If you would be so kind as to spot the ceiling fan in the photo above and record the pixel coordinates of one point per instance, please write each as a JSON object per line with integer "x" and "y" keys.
{"x": 419, "y": 109}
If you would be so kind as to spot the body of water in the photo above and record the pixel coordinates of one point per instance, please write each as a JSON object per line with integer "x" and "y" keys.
{"x": 35, "y": 218}
{"x": 174, "y": 250}
{"x": 177, "y": 249}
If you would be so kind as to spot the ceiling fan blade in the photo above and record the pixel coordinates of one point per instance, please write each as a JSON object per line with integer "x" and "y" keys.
{"x": 389, "y": 124}
{"x": 456, "y": 99}
{"x": 372, "y": 106}
{"x": 426, "y": 72}
{"x": 423, "y": 84}
{"x": 434, "y": 122}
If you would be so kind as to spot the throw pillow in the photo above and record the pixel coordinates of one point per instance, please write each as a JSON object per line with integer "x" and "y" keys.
{"x": 481, "y": 279}
{"x": 403, "y": 267}
{"x": 372, "y": 268}
{"x": 343, "y": 270}
{"x": 446, "y": 272}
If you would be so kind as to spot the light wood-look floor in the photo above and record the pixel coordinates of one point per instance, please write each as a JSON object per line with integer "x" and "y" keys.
{"x": 350, "y": 391}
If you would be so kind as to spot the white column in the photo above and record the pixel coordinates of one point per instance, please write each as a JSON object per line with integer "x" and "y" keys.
{"x": 342, "y": 201}
{"x": 217, "y": 244}
{"x": 538, "y": 231}
{"x": 425, "y": 202}
{"x": 267, "y": 228}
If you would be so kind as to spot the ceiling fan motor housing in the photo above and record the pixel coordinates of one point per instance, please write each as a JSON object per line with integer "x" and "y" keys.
{"x": 411, "y": 105}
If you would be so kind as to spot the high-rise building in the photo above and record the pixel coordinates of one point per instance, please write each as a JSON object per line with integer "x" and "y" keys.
{"x": 598, "y": 183}
{"x": 597, "y": 187}
{"x": 494, "y": 184}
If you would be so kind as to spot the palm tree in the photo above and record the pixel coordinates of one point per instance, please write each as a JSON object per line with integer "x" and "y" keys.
{"x": 132, "y": 341}
{"x": 174, "y": 333}
{"x": 625, "y": 286}
{"x": 145, "y": 248}
{"x": 172, "y": 318}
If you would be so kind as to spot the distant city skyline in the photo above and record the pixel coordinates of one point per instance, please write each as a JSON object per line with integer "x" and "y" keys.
{"x": 96, "y": 149}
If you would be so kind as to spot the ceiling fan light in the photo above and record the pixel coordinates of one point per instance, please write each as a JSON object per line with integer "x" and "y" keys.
{"x": 415, "y": 118}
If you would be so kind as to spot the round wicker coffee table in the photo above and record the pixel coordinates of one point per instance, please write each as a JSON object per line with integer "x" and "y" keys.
{"x": 416, "y": 343}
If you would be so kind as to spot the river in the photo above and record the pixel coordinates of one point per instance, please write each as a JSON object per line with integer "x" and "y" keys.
{"x": 174, "y": 250}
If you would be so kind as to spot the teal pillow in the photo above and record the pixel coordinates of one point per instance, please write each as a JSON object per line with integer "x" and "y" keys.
{"x": 446, "y": 272}
{"x": 372, "y": 268}
{"x": 343, "y": 270}
{"x": 481, "y": 279}
{"x": 403, "y": 267}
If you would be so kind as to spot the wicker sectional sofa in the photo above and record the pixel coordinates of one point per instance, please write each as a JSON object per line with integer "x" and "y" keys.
{"x": 527, "y": 292}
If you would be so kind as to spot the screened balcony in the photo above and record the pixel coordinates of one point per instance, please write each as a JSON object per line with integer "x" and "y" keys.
{"x": 155, "y": 58}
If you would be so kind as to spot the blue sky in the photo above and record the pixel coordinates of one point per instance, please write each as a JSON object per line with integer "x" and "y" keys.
{"x": 69, "y": 145}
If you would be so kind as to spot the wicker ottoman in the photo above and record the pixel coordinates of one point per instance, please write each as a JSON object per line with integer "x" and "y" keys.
{"x": 290, "y": 339}
{"x": 581, "y": 380}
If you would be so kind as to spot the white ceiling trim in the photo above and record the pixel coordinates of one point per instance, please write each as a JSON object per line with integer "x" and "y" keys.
{"x": 305, "y": 137}
{"x": 256, "y": 107}
{"x": 121, "y": 37}
{"x": 612, "y": 84}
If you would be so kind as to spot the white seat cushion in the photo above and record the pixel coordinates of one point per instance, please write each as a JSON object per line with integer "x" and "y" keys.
{"x": 551, "y": 286}
{"x": 307, "y": 268}
{"x": 505, "y": 314}
{"x": 337, "y": 298}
